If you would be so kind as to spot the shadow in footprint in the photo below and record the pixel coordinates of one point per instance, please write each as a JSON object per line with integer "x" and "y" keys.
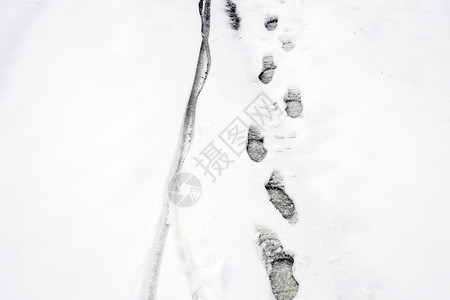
{"x": 278, "y": 265}
{"x": 278, "y": 197}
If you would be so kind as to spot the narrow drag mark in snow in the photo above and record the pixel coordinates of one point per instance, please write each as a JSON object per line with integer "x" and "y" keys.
{"x": 271, "y": 23}
{"x": 282, "y": 202}
{"x": 184, "y": 144}
{"x": 278, "y": 265}
{"x": 293, "y": 100}
{"x": 268, "y": 69}
{"x": 235, "y": 20}
{"x": 255, "y": 144}
{"x": 201, "y": 73}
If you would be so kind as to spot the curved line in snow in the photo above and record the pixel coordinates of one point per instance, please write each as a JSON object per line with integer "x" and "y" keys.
{"x": 184, "y": 144}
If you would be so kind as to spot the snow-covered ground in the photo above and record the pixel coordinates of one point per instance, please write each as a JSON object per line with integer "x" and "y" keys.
{"x": 92, "y": 96}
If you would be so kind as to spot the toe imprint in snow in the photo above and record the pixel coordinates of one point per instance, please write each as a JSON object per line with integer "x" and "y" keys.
{"x": 278, "y": 197}
{"x": 278, "y": 265}
{"x": 268, "y": 69}
{"x": 271, "y": 23}
{"x": 255, "y": 144}
{"x": 293, "y": 100}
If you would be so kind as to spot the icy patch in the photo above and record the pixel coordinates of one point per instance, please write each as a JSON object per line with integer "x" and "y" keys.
{"x": 282, "y": 202}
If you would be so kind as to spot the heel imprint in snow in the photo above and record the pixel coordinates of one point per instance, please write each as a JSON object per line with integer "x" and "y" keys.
{"x": 255, "y": 144}
{"x": 271, "y": 23}
{"x": 231, "y": 9}
{"x": 293, "y": 100}
{"x": 268, "y": 69}
{"x": 278, "y": 265}
{"x": 278, "y": 197}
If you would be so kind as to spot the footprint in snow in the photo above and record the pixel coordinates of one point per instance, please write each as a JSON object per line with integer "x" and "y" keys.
{"x": 287, "y": 43}
{"x": 235, "y": 19}
{"x": 278, "y": 265}
{"x": 255, "y": 144}
{"x": 293, "y": 100}
{"x": 271, "y": 23}
{"x": 279, "y": 198}
{"x": 268, "y": 70}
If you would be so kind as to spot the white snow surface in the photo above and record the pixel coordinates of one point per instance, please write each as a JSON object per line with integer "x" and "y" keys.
{"x": 92, "y": 96}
